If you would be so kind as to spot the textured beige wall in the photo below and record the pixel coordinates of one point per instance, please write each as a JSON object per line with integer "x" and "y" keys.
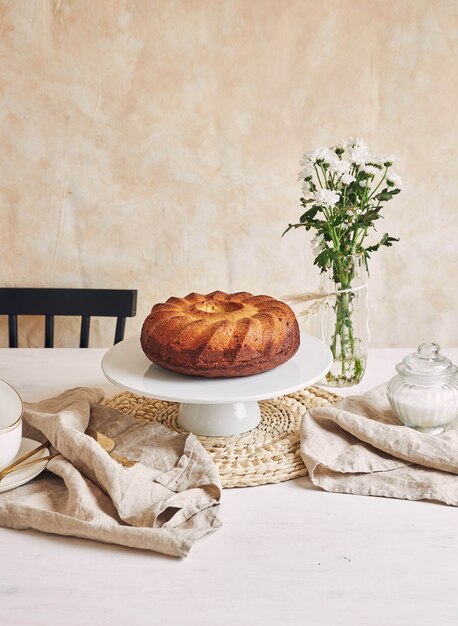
{"x": 154, "y": 144}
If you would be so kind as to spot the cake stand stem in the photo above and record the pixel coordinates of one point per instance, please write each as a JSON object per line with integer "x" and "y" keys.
{"x": 219, "y": 420}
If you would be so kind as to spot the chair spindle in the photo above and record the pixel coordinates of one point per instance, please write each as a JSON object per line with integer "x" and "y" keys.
{"x": 85, "y": 327}
{"x": 120, "y": 328}
{"x": 12, "y": 331}
{"x": 49, "y": 331}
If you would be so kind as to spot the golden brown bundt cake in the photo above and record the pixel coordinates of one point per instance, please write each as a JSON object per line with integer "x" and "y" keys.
{"x": 220, "y": 334}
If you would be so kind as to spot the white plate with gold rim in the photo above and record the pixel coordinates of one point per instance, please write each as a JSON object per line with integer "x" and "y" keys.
{"x": 215, "y": 406}
{"x": 22, "y": 476}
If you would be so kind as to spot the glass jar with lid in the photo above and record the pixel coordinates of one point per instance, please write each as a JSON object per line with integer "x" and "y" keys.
{"x": 424, "y": 393}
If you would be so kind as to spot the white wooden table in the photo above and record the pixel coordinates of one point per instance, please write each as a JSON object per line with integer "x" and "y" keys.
{"x": 287, "y": 554}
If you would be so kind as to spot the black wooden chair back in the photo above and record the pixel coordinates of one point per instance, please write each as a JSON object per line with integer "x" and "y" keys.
{"x": 84, "y": 303}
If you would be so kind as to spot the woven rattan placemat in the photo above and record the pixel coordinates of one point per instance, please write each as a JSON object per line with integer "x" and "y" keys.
{"x": 267, "y": 454}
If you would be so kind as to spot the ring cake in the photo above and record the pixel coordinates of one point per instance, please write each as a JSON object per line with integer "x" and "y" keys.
{"x": 220, "y": 334}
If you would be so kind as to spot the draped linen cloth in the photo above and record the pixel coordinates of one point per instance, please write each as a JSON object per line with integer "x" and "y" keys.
{"x": 359, "y": 446}
{"x": 164, "y": 502}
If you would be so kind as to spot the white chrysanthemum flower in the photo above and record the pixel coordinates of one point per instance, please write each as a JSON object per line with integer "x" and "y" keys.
{"x": 307, "y": 159}
{"x": 347, "y": 179}
{"x": 394, "y": 179}
{"x": 357, "y": 151}
{"x": 332, "y": 159}
{"x": 370, "y": 169}
{"x": 358, "y": 154}
{"x": 340, "y": 167}
{"x": 304, "y": 160}
{"x": 387, "y": 159}
{"x": 351, "y": 142}
{"x": 348, "y": 143}
{"x": 306, "y": 171}
{"x": 306, "y": 188}
{"x": 327, "y": 197}
{"x": 364, "y": 183}
{"x": 319, "y": 154}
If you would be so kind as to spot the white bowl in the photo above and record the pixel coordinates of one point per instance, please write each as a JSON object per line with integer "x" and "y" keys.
{"x": 11, "y": 410}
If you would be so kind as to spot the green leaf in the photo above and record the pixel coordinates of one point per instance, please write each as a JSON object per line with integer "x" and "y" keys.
{"x": 386, "y": 240}
{"x": 290, "y": 226}
{"x": 384, "y": 196}
{"x": 352, "y": 198}
{"x": 309, "y": 215}
{"x": 323, "y": 259}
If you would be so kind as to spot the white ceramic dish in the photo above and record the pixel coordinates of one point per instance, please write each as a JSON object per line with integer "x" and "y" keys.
{"x": 10, "y": 423}
{"x": 215, "y": 406}
{"x": 16, "y": 479}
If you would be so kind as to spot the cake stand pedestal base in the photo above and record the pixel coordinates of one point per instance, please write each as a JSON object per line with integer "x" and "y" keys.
{"x": 219, "y": 420}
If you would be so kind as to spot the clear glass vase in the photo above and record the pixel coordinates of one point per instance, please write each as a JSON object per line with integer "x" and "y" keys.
{"x": 343, "y": 319}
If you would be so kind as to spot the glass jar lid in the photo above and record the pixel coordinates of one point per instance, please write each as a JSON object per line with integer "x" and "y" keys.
{"x": 427, "y": 362}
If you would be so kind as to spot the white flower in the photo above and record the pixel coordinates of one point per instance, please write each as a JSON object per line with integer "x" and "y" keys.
{"x": 347, "y": 179}
{"x": 358, "y": 154}
{"x": 319, "y": 154}
{"x": 387, "y": 159}
{"x": 364, "y": 183}
{"x": 357, "y": 151}
{"x": 305, "y": 161}
{"x": 305, "y": 172}
{"x": 340, "y": 167}
{"x": 348, "y": 143}
{"x": 370, "y": 169}
{"x": 306, "y": 188}
{"x": 394, "y": 179}
{"x": 327, "y": 197}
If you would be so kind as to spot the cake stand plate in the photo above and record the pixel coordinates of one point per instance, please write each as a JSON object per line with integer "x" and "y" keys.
{"x": 215, "y": 406}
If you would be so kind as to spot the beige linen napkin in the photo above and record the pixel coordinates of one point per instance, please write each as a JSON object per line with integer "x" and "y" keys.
{"x": 359, "y": 446}
{"x": 164, "y": 502}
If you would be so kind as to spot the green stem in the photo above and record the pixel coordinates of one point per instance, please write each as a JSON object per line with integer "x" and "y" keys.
{"x": 328, "y": 181}
{"x": 344, "y": 202}
{"x": 380, "y": 182}
{"x": 318, "y": 176}
{"x": 356, "y": 243}
{"x": 343, "y": 274}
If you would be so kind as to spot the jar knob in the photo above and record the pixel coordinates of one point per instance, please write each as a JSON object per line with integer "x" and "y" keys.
{"x": 428, "y": 350}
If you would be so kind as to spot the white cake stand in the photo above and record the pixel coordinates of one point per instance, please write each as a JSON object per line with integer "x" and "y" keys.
{"x": 215, "y": 406}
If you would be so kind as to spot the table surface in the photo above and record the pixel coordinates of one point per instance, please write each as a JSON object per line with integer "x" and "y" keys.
{"x": 286, "y": 554}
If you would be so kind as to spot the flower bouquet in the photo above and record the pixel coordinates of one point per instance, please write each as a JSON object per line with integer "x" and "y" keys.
{"x": 344, "y": 190}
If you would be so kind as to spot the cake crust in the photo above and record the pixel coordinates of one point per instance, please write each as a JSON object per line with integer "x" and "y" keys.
{"x": 220, "y": 335}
